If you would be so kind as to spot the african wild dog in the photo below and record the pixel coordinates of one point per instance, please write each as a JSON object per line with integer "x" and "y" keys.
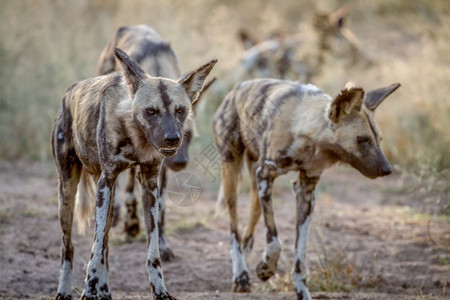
{"x": 104, "y": 126}
{"x": 156, "y": 57}
{"x": 286, "y": 55}
{"x": 280, "y": 126}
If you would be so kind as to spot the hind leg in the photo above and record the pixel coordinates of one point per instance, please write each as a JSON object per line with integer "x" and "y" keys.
{"x": 267, "y": 267}
{"x": 131, "y": 225}
{"x": 230, "y": 174}
{"x": 69, "y": 170}
{"x": 254, "y": 213}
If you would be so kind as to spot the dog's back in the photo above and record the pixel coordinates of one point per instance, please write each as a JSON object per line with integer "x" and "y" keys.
{"x": 144, "y": 45}
{"x": 263, "y": 110}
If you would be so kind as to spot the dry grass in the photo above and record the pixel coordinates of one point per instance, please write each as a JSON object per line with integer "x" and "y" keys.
{"x": 46, "y": 45}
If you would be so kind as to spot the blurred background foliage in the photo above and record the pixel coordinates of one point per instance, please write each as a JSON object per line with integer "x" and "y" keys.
{"x": 46, "y": 45}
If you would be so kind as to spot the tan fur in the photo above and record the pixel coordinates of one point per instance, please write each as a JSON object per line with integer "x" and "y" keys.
{"x": 84, "y": 201}
{"x": 281, "y": 126}
{"x": 104, "y": 126}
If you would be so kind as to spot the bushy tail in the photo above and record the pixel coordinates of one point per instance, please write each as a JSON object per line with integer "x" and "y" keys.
{"x": 84, "y": 201}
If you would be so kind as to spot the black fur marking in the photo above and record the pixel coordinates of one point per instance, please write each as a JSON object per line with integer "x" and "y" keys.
{"x": 156, "y": 263}
{"x": 262, "y": 99}
{"x": 150, "y": 48}
{"x": 285, "y": 161}
{"x": 241, "y": 283}
{"x": 162, "y": 88}
{"x": 152, "y": 287}
{"x": 271, "y": 234}
{"x": 297, "y": 268}
{"x": 123, "y": 143}
{"x": 104, "y": 288}
{"x": 281, "y": 100}
{"x": 92, "y": 283}
{"x": 101, "y": 192}
{"x": 67, "y": 254}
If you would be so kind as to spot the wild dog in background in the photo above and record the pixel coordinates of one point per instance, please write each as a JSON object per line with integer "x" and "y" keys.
{"x": 279, "y": 55}
{"x": 280, "y": 126}
{"x": 104, "y": 126}
{"x": 156, "y": 57}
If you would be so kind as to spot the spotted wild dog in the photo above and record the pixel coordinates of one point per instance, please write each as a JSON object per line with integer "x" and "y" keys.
{"x": 279, "y": 126}
{"x": 287, "y": 56}
{"x": 156, "y": 57}
{"x": 104, "y": 126}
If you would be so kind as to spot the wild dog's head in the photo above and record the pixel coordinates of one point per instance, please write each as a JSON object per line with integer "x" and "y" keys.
{"x": 357, "y": 138}
{"x": 161, "y": 105}
{"x": 181, "y": 159}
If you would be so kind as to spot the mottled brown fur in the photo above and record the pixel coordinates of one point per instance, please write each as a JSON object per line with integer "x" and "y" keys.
{"x": 156, "y": 57}
{"x": 281, "y": 126}
{"x": 104, "y": 126}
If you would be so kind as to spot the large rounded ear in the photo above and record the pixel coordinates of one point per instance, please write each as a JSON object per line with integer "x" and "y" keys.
{"x": 375, "y": 97}
{"x": 131, "y": 70}
{"x": 202, "y": 92}
{"x": 193, "y": 82}
{"x": 348, "y": 101}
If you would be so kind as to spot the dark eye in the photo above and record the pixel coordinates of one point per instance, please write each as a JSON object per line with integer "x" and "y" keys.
{"x": 363, "y": 140}
{"x": 179, "y": 110}
{"x": 152, "y": 111}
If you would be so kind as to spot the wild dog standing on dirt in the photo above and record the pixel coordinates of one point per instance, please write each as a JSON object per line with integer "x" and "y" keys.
{"x": 104, "y": 126}
{"x": 280, "y": 126}
{"x": 156, "y": 57}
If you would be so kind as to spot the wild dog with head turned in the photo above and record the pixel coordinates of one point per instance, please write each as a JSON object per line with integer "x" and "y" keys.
{"x": 279, "y": 126}
{"x": 156, "y": 57}
{"x": 104, "y": 126}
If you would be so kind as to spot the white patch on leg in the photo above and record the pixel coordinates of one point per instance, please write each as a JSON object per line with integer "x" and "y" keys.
{"x": 302, "y": 288}
{"x": 237, "y": 258}
{"x": 272, "y": 252}
{"x": 155, "y": 274}
{"x": 262, "y": 187}
{"x": 65, "y": 279}
{"x": 163, "y": 242}
{"x": 101, "y": 272}
{"x": 300, "y": 255}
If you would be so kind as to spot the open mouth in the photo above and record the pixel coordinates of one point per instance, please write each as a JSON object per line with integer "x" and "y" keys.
{"x": 168, "y": 151}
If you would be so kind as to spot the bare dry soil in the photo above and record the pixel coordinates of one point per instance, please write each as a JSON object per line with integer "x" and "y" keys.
{"x": 368, "y": 241}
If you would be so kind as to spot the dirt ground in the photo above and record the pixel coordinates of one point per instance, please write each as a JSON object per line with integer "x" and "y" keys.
{"x": 368, "y": 240}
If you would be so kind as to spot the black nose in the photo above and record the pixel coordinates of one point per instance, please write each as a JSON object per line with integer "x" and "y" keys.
{"x": 386, "y": 170}
{"x": 172, "y": 139}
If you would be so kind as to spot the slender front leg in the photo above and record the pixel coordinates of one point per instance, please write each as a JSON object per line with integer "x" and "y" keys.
{"x": 267, "y": 267}
{"x": 97, "y": 281}
{"x": 304, "y": 191}
{"x": 131, "y": 225}
{"x": 149, "y": 183}
{"x": 164, "y": 247}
